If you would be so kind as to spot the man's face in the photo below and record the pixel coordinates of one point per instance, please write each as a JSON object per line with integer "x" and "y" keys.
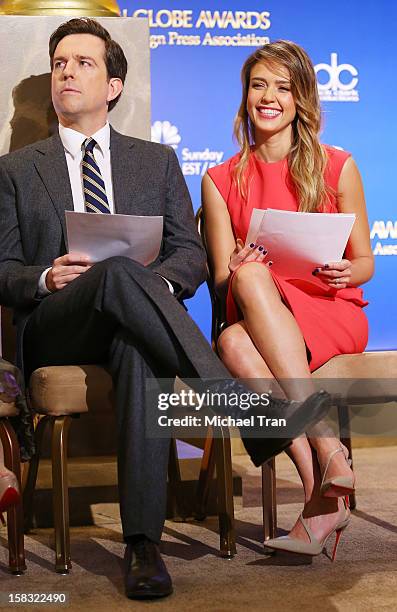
{"x": 79, "y": 81}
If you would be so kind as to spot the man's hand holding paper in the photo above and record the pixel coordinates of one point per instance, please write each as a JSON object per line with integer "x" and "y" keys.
{"x": 66, "y": 269}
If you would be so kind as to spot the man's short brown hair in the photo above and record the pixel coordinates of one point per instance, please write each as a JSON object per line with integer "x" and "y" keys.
{"x": 115, "y": 60}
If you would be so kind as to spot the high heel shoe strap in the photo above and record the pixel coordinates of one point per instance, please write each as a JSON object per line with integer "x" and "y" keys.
{"x": 311, "y": 536}
{"x": 334, "y": 452}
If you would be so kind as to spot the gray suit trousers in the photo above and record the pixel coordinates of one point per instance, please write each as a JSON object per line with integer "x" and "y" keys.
{"x": 122, "y": 315}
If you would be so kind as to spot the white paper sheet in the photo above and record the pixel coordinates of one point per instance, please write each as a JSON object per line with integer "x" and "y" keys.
{"x": 103, "y": 236}
{"x": 298, "y": 242}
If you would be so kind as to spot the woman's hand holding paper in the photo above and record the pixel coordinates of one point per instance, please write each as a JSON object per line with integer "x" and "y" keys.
{"x": 244, "y": 254}
{"x": 335, "y": 274}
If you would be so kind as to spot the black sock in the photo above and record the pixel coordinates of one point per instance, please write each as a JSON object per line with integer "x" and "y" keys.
{"x": 134, "y": 539}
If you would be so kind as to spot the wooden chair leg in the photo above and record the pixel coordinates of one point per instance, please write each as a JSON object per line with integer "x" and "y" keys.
{"x": 345, "y": 438}
{"x": 15, "y": 513}
{"x": 224, "y": 479}
{"x": 207, "y": 468}
{"x": 269, "y": 505}
{"x": 31, "y": 473}
{"x": 60, "y": 430}
{"x": 175, "y": 483}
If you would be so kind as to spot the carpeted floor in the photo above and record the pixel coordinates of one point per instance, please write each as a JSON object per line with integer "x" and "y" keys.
{"x": 363, "y": 577}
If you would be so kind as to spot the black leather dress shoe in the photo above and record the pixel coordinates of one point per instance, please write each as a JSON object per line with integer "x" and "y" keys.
{"x": 301, "y": 416}
{"x": 146, "y": 576}
{"x": 262, "y": 444}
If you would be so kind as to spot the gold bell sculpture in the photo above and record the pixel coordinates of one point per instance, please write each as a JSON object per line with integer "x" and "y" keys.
{"x": 77, "y": 8}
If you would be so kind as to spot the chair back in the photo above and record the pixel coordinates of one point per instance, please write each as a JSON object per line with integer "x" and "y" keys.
{"x": 7, "y": 335}
{"x": 218, "y": 322}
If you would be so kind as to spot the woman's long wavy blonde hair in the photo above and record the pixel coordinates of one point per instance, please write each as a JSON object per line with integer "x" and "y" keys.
{"x": 307, "y": 158}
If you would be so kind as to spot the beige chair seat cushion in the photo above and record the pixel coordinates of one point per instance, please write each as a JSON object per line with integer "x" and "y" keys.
{"x": 373, "y": 364}
{"x": 370, "y": 376}
{"x": 63, "y": 390}
{"x": 8, "y": 409}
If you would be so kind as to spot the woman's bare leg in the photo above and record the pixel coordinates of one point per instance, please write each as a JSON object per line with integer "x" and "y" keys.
{"x": 273, "y": 329}
{"x": 3, "y": 470}
{"x": 277, "y": 337}
{"x": 243, "y": 360}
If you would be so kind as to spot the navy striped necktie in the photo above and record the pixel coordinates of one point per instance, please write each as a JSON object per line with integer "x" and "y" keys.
{"x": 95, "y": 197}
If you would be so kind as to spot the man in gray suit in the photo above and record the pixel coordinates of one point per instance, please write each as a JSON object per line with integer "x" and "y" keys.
{"x": 115, "y": 312}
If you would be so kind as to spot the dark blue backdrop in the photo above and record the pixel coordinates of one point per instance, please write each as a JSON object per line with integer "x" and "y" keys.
{"x": 197, "y": 53}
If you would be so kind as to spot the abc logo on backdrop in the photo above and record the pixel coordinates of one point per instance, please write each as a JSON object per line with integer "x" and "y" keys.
{"x": 337, "y": 82}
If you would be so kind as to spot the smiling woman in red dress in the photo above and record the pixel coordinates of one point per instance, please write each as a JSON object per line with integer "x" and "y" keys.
{"x": 283, "y": 327}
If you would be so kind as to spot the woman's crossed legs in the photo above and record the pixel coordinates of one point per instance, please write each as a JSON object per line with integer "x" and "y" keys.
{"x": 266, "y": 345}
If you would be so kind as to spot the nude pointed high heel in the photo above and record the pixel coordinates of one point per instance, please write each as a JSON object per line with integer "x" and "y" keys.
{"x": 314, "y": 547}
{"x": 338, "y": 486}
{"x": 9, "y": 492}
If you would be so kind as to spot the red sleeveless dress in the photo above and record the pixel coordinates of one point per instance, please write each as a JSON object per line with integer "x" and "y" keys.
{"x": 332, "y": 321}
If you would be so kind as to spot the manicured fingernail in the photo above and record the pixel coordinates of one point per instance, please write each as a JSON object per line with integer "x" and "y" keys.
{"x": 252, "y": 245}
{"x": 260, "y": 248}
{"x": 316, "y": 271}
{"x": 270, "y": 263}
{"x": 265, "y": 251}
{"x": 326, "y": 266}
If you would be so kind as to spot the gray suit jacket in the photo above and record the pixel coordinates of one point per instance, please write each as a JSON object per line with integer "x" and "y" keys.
{"x": 35, "y": 192}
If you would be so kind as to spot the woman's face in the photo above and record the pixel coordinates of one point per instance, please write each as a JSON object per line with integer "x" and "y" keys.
{"x": 270, "y": 103}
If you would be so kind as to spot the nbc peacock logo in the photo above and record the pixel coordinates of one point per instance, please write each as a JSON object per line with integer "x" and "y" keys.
{"x": 164, "y": 132}
{"x": 193, "y": 163}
